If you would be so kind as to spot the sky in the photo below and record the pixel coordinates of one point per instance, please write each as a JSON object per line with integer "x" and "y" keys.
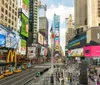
{"x": 62, "y": 8}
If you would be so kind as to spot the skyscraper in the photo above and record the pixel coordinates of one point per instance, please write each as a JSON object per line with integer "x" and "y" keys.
{"x": 33, "y": 13}
{"x": 56, "y": 28}
{"x": 43, "y": 27}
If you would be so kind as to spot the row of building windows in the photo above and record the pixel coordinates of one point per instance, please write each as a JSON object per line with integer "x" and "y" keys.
{"x": 6, "y": 11}
{"x": 11, "y": 2}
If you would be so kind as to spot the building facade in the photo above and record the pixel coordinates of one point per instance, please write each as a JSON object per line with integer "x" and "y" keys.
{"x": 89, "y": 15}
{"x": 43, "y": 27}
{"x": 56, "y": 28}
{"x": 9, "y": 13}
{"x": 80, "y": 12}
{"x": 33, "y": 19}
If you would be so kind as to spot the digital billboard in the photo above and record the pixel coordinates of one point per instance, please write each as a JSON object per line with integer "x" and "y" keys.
{"x": 78, "y": 41}
{"x": 57, "y": 47}
{"x": 92, "y": 51}
{"x": 45, "y": 42}
{"x": 25, "y": 7}
{"x": 23, "y": 46}
{"x": 25, "y": 26}
{"x": 2, "y": 40}
{"x": 40, "y": 38}
{"x": 57, "y": 31}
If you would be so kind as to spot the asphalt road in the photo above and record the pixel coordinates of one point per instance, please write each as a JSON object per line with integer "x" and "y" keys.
{"x": 23, "y": 77}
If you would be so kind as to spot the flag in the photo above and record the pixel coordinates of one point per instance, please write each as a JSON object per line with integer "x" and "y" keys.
{"x": 52, "y": 33}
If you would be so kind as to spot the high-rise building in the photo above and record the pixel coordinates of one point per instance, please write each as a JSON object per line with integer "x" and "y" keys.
{"x": 87, "y": 13}
{"x": 9, "y": 13}
{"x": 43, "y": 27}
{"x": 56, "y": 28}
{"x": 33, "y": 15}
{"x": 70, "y": 27}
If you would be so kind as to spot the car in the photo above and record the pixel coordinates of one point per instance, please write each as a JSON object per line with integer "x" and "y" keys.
{"x": 1, "y": 76}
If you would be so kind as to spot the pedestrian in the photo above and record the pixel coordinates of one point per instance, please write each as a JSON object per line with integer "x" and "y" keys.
{"x": 52, "y": 79}
{"x": 70, "y": 78}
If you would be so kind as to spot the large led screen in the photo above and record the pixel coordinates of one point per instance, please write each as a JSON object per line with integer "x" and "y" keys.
{"x": 2, "y": 40}
{"x": 92, "y": 51}
{"x": 25, "y": 7}
{"x": 40, "y": 38}
{"x": 25, "y": 26}
{"x": 23, "y": 46}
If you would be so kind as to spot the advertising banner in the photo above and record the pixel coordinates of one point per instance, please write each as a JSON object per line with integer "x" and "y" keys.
{"x": 76, "y": 52}
{"x": 40, "y": 38}
{"x": 42, "y": 51}
{"x": 57, "y": 41}
{"x": 78, "y": 42}
{"x": 92, "y": 51}
{"x": 45, "y": 42}
{"x": 2, "y": 40}
{"x": 2, "y": 30}
{"x": 57, "y": 47}
{"x": 23, "y": 46}
{"x": 25, "y": 26}
{"x": 25, "y": 7}
{"x": 31, "y": 52}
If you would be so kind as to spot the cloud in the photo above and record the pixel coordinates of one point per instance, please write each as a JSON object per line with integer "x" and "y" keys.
{"x": 61, "y": 10}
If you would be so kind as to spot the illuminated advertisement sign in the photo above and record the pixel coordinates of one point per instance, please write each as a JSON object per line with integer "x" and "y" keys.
{"x": 92, "y": 51}
{"x": 56, "y": 31}
{"x": 2, "y": 40}
{"x": 45, "y": 42}
{"x": 57, "y": 41}
{"x": 23, "y": 46}
{"x": 25, "y": 7}
{"x": 25, "y": 26}
{"x": 56, "y": 38}
{"x": 40, "y": 38}
{"x": 77, "y": 42}
{"x": 76, "y": 52}
{"x": 57, "y": 47}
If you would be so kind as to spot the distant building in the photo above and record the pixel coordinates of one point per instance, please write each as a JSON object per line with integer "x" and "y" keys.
{"x": 43, "y": 27}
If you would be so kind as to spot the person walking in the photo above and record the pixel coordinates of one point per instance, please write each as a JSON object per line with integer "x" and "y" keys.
{"x": 52, "y": 79}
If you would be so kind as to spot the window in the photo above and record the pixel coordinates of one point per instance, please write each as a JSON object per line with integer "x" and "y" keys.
{"x": 10, "y": 8}
{"x": 9, "y": 20}
{"x": 3, "y": 2}
{"x": 2, "y": 9}
{"x": 13, "y": 5}
{"x": 6, "y": 5}
{"x": 13, "y": 11}
{"x": 9, "y": 15}
{"x": 2, "y": 16}
{"x": 6, "y": 18}
{"x": 15, "y": 18}
{"x": 12, "y": 23}
{"x": 12, "y": 17}
{"x": 6, "y": 12}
